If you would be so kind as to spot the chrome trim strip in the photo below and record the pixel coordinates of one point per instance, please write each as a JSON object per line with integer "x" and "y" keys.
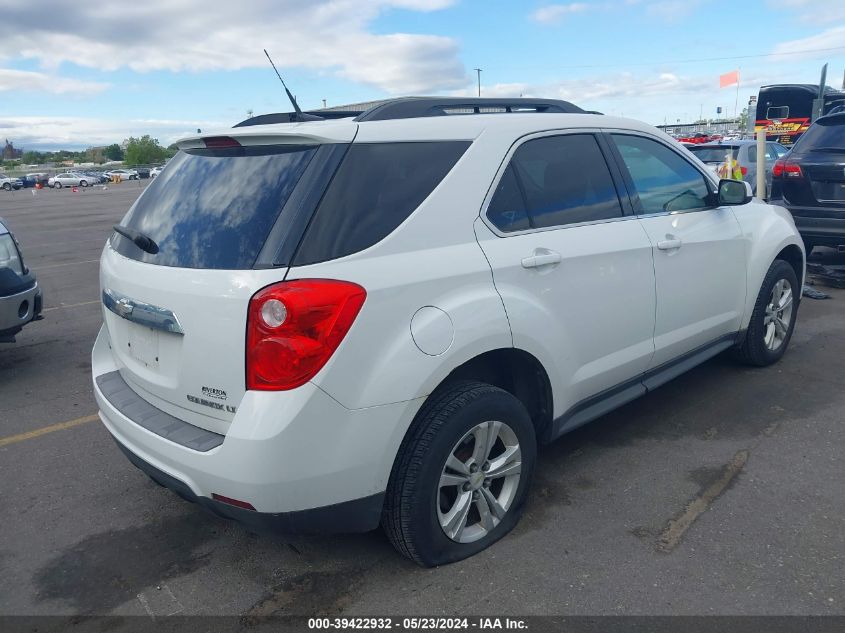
{"x": 141, "y": 313}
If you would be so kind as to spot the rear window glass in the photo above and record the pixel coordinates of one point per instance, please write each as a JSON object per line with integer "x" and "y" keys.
{"x": 214, "y": 208}
{"x": 827, "y": 133}
{"x": 376, "y": 188}
{"x": 713, "y": 154}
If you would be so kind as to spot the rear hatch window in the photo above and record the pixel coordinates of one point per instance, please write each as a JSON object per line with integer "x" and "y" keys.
{"x": 714, "y": 154}
{"x": 214, "y": 208}
{"x": 825, "y": 135}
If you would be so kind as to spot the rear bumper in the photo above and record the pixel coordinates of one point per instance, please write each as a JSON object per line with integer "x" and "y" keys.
{"x": 302, "y": 460}
{"x": 19, "y": 309}
{"x": 359, "y": 515}
{"x": 823, "y": 226}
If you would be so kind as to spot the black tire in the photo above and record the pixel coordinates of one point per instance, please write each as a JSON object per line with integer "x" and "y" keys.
{"x": 753, "y": 350}
{"x": 57, "y": 185}
{"x": 7, "y": 186}
{"x": 410, "y": 515}
{"x": 83, "y": 183}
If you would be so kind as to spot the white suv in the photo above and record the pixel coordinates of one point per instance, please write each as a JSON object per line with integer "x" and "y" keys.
{"x": 331, "y": 325}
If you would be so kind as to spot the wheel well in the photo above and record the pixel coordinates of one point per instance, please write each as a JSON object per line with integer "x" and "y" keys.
{"x": 517, "y": 372}
{"x": 793, "y": 256}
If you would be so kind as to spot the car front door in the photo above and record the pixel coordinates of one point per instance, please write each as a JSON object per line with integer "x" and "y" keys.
{"x": 574, "y": 268}
{"x": 699, "y": 250}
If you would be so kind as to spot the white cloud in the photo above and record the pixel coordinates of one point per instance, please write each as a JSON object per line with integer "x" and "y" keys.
{"x": 554, "y": 13}
{"x": 792, "y": 50}
{"x": 195, "y": 35}
{"x": 672, "y": 10}
{"x": 41, "y": 132}
{"x": 22, "y": 80}
{"x": 813, "y": 11}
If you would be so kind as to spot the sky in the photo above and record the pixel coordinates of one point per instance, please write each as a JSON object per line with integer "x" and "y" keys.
{"x": 109, "y": 70}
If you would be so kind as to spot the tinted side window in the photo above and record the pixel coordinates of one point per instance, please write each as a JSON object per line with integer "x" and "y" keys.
{"x": 564, "y": 179}
{"x": 375, "y": 189}
{"x": 663, "y": 180}
{"x": 507, "y": 209}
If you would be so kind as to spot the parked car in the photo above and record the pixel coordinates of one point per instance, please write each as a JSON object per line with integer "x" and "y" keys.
{"x": 385, "y": 317}
{"x": 21, "y": 299}
{"x": 810, "y": 182}
{"x": 10, "y": 183}
{"x": 695, "y": 139}
{"x": 155, "y": 171}
{"x": 125, "y": 174}
{"x": 744, "y": 153}
{"x": 143, "y": 172}
{"x": 69, "y": 179}
{"x": 30, "y": 180}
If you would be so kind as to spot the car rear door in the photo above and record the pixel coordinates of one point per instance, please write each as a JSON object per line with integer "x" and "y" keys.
{"x": 699, "y": 250}
{"x": 573, "y": 267}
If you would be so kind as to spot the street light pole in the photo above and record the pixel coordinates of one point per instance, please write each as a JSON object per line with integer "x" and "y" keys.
{"x": 478, "y": 71}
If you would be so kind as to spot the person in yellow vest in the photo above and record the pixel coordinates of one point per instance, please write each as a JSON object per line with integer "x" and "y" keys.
{"x": 730, "y": 169}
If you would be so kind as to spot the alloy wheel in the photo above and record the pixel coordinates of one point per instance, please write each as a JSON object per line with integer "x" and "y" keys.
{"x": 479, "y": 481}
{"x": 778, "y": 314}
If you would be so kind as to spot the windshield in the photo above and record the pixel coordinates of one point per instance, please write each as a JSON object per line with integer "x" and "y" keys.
{"x": 214, "y": 208}
{"x": 714, "y": 154}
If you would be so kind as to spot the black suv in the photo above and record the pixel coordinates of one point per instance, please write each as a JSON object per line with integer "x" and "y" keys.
{"x": 810, "y": 182}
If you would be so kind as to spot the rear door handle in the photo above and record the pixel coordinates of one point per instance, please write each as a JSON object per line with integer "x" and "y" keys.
{"x": 669, "y": 244}
{"x": 541, "y": 257}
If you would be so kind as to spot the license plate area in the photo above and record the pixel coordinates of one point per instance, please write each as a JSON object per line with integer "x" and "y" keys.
{"x": 143, "y": 345}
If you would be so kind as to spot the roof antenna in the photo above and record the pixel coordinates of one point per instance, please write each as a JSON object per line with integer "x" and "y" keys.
{"x": 299, "y": 116}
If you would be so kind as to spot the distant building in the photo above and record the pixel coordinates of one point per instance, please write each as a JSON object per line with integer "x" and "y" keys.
{"x": 10, "y": 153}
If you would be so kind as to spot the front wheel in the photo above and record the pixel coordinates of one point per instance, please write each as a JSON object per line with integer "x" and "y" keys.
{"x": 83, "y": 183}
{"x": 462, "y": 474}
{"x": 773, "y": 318}
{"x": 57, "y": 185}
{"x": 7, "y": 186}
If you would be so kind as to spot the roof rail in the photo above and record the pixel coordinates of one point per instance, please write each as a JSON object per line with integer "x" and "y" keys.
{"x": 416, "y": 107}
{"x": 293, "y": 117}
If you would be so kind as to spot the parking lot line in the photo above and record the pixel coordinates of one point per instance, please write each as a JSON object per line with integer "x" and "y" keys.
{"x": 70, "y": 305}
{"x": 61, "y": 426}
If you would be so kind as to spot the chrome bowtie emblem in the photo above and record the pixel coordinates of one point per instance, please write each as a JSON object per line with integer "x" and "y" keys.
{"x": 124, "y": 307}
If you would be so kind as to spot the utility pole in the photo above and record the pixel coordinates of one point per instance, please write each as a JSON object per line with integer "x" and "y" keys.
{"x": 324, "y": 104}
{"x": 478, "y": 71}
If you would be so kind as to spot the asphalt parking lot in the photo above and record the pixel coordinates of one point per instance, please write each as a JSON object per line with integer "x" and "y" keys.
{"x": 721, "y": 493}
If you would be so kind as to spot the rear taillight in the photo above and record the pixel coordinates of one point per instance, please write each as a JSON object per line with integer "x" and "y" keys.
{"x": 294, "y": 327}
{"x": 785, "y": 169}
{"x": 743, "y": 170}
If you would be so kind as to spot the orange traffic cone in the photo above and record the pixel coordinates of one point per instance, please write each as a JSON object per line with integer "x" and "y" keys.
{"x": 75, "y": 189}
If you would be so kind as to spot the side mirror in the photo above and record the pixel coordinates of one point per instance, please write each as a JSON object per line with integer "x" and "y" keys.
{"x": 734, "y": 192}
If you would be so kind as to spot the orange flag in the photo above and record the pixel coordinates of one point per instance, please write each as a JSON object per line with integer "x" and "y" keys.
{"x": 729, "y": 79}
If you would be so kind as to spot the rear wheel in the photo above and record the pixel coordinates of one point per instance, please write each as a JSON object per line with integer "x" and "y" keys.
{"x": 461, "y": 476}
{"x": 83, "y": 183}
{"x": 773, "y": 319}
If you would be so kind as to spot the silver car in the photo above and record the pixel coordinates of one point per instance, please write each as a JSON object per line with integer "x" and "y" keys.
{"x": 20, "y": 297}
{"x": 744, "y": 152}
{"x": 70, "y": 179}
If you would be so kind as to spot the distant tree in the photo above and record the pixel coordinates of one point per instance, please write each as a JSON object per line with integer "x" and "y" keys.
{"x": 113, "y": 152}
{"x": 143, "y": 151}
{"x": 743, "y": 119}
{"x": 32, "y": 158}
